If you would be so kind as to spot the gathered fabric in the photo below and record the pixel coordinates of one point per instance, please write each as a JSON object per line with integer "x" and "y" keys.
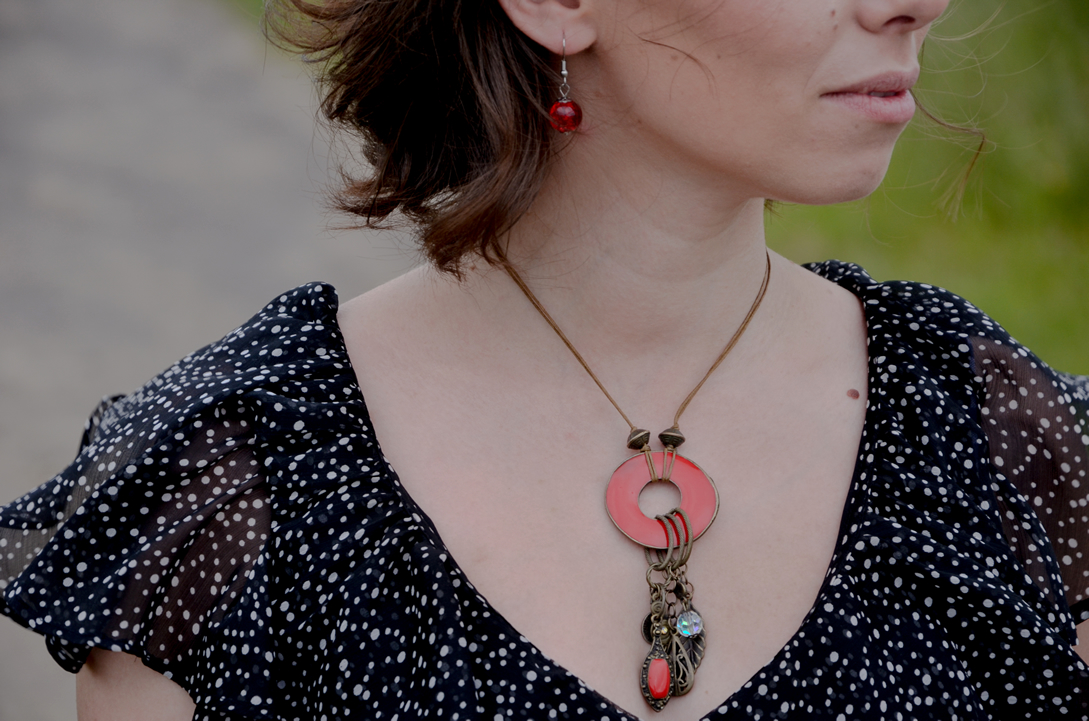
{"x": 235, "y": 525}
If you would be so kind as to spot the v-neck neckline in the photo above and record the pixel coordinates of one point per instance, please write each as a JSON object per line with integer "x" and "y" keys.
{"x": 858, "y": 281}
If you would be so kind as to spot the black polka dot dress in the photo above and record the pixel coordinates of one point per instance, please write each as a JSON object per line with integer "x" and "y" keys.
{"x": 235, "y": 524}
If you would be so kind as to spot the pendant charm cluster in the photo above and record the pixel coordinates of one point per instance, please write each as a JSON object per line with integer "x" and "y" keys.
{"x": 673, "y": 628}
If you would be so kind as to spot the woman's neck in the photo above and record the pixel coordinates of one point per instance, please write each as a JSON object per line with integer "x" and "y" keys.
{"x": 632, "y": 255}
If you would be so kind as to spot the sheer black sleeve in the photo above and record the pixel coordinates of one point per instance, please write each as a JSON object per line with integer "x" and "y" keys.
{"x": 155, "y": 541}
{"x": 1037, "y": 424}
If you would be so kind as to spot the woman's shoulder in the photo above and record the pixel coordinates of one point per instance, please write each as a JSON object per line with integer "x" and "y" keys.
{"x": 954, "y": 341}
{"x": 230, "y": 472}
{"x": 906, "y": 308}
{"x": 939, "y": 361}
{"x": 264, "y": 372}
{"x": 293, "y": 325}
{"x": 935, "y": 325}
{"x": 933, "y": 320}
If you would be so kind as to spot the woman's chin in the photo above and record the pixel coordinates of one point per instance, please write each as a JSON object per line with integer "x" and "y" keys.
{"x": 832, "y": 188}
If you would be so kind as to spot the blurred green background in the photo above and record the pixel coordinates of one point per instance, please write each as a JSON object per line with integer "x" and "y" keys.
{"x": 1016, "y": 244}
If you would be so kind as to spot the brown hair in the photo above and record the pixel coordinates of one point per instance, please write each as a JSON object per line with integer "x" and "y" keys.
{"x": 450, "y": 101}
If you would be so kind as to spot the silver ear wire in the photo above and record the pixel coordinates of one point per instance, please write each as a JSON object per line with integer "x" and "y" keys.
{"x": 564, "y": 87}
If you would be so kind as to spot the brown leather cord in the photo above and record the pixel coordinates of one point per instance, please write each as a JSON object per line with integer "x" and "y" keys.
{"x": 684, "y": 405}
{"x": 578, "y": 356}
{"x": 733, "y": 341}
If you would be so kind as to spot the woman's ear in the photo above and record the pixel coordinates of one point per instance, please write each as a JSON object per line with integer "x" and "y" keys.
{"x": 550, "y": 22}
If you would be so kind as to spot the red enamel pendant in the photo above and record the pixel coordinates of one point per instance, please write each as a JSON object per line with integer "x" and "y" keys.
{"x": 656, "y": 679}
{"x": 699, "y": 498}
{"x": 565, "y": 115}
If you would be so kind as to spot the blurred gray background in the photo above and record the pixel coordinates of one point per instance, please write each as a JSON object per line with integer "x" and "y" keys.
{"x": 160, "y": 180}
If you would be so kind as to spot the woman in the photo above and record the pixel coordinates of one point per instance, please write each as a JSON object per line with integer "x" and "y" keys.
{"x": 887, "y": 460}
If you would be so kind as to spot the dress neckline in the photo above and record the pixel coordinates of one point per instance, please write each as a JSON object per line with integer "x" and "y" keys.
{"x": 850, "y": 277}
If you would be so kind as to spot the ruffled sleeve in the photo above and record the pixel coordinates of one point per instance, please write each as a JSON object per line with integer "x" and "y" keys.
{"x": 1012, "y": 429}
{"x": 155, "y": 540}
{"x": 1037, "y": 425}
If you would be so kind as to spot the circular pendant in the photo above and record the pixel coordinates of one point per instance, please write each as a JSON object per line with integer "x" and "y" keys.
{"x": 699, "y": 498}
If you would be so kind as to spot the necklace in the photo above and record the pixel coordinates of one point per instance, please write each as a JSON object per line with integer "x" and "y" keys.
{"x": 673, "y": 628}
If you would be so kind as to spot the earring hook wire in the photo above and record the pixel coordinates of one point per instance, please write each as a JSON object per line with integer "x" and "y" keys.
{"x": 564, "y": 87}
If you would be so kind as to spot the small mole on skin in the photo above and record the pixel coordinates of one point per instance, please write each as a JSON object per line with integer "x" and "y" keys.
{"x": 852, "y": 393}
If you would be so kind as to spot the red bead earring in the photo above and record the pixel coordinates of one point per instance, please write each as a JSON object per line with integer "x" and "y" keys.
{"x": 565, "y": 114}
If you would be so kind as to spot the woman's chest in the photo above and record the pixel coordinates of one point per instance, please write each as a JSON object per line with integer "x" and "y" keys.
{"x": 915, "y": 615}
{"x": 515, "y": 486}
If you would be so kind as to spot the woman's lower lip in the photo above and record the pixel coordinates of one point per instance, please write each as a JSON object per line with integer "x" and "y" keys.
{"x": 895, "y": 109}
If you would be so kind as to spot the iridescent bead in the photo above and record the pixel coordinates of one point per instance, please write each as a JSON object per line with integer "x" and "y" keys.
{"x": 689, "y": 624}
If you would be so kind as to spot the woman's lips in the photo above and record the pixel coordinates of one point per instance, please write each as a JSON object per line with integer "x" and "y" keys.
{"x": 885, "y": 98}
{"x": 896, "y": 108}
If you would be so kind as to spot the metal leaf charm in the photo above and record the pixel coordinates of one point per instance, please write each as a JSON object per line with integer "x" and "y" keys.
{"x": 697, "y": 647}
{"x": 685, "y": 656}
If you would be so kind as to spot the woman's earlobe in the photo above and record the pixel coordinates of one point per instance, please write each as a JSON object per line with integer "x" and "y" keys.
{"x": 549, "y": 22}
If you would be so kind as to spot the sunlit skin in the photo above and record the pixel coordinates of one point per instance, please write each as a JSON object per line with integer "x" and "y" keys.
{"x": 739, "y": 91}
{"x": 647, "y": 245}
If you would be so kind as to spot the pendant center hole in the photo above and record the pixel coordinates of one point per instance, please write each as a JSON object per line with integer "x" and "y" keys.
{"x": 659, "y": 498}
